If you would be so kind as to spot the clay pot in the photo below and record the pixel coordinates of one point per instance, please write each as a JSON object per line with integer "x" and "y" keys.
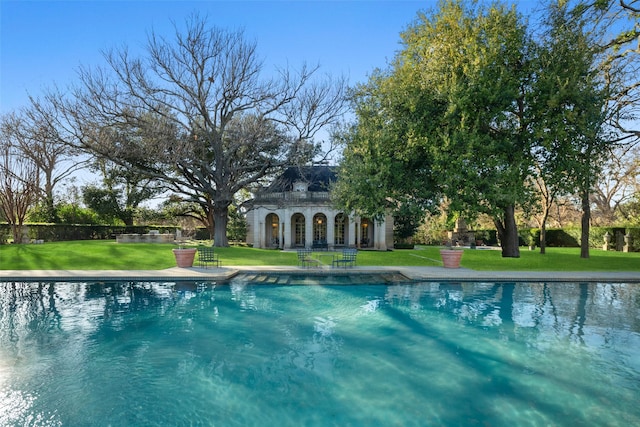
{"x": 451, "y": 257}
{"x": 184, "y": 257}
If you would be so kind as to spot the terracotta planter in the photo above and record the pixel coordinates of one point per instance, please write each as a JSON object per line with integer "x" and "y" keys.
{"x": 451, "y": 257}
{"x": 184, "y": 257}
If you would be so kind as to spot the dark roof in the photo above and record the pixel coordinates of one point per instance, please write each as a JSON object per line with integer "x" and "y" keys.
{"x": 319, "y": 178}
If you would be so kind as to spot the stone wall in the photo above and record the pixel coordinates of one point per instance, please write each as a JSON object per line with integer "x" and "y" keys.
{"x": 145, "y": 238}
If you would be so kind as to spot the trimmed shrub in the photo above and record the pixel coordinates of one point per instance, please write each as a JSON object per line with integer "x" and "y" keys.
{"x": 65, "y": 232}
{"x": 571, "y": 237}
{"x": 405, "y": 245}
{"x": 488, "y": 237}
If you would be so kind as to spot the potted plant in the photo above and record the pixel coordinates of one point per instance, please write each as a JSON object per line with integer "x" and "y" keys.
{"x": 451, "y": 256}
{"x": 184, "y": 256}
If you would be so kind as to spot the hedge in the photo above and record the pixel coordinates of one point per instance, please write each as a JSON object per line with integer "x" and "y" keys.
{"x": 571, "y": 237}
{"x": 556, "y": 237}
{"x": 64, "y": 232}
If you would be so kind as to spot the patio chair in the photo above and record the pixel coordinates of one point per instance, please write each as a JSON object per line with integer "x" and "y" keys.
{"x": 207, "y": 256}
{"x": 305, "y": 259}
{"x": 347, "y": 259}
{"x": 320, "y": 245}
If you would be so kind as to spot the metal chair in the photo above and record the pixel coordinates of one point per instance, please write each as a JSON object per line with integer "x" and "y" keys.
{"x": 348, "y": 258}
{"x": 305, "y": 259}
{"x": 207, "y": 256}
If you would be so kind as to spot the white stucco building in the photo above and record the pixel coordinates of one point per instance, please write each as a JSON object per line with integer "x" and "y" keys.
{"x": 295, "y": 211}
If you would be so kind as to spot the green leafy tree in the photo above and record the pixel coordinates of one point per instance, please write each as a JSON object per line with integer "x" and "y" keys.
{"x": 406, "y": 222}
{"x": 73, "y": 213}
{"x": 122, "y": 192}
{"x": 448, "y": 119}
{"x": 237, "y": 224}
{"x": 568, "y": 113}
{"x": 384, "y": 146}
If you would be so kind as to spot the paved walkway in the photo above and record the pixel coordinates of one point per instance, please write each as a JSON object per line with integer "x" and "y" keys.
{"x": 225, "y": 273}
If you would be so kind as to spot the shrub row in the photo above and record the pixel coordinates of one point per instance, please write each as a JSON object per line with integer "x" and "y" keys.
{"x": 568, "y": 237}
{"x": 64, "y": 232}
{"x": 556, "y": 237}
{"x": 571, "y": 237}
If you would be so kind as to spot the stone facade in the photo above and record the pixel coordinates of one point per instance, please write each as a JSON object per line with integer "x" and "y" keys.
{"x": 295, "y": 211}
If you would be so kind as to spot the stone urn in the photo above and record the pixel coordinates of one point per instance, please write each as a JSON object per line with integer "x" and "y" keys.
{"x": 184, "y": 257}
{"x": 451, "y": 257}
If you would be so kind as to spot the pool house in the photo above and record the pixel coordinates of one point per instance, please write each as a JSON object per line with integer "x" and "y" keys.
{"x": 295, "y": 211}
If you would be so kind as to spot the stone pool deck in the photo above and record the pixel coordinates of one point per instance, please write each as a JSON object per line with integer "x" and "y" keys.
{"x": 224, "y": 273}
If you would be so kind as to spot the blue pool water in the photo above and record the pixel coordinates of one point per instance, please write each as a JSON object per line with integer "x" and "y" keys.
{"x": 241, "y": 354}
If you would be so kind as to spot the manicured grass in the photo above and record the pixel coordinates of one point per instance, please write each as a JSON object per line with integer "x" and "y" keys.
{"x": 556, "y": 259}
{"x": 109, "y": 255}
{"x": 86, "y": 255}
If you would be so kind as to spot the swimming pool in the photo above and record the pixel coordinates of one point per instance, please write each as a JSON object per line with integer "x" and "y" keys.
{"x": 241, "y": 354}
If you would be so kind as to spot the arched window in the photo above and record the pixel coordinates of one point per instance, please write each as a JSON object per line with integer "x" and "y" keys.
{"x": 340, "y": 230}
{"x": 298, "y": 224}
{"x": 272, "y": 230}
{"x": 319, "y": 229}
{"x": 366, "y": 232}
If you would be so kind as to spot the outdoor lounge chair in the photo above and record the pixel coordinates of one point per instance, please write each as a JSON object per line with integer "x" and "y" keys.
{"x": 348, "y": 258}
{"x": 305, "y": 259}
{"x": 207, "y": 256}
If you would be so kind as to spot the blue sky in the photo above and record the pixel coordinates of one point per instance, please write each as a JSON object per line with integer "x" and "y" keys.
{"x": 44, "y": 42}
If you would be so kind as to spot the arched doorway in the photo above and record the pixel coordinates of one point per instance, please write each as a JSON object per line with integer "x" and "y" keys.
{"x": 272, "y": 231}
{"x": 297, "y": 228}
{"x": 340, "y": 230}
{"x": 366, "y": 233}
{"x": 320, "y": 230}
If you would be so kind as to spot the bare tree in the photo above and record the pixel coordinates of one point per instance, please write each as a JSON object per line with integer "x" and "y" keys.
{"x": 211, "y": 124}
{"x": 617, "y": 184}
{"x": 617, "y": 23}
{"x": 32, "y": 136}
{"x": 546, "y": 198}
{"x": 19, "y": 185}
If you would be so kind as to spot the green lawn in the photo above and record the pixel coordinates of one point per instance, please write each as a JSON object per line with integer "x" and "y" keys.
{"x": 108, "y": 255}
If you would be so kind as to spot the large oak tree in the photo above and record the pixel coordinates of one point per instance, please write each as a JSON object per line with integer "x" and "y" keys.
{"x": 209, "y": 120}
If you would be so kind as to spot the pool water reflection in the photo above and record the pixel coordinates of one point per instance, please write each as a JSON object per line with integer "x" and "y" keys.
{"x": 120, "y": 354}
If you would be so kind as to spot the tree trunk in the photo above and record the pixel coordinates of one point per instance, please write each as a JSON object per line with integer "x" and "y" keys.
{"x": 543, "y": 231}
{"x": 128, "y": 220}
{"x": 508, "y": 233}
{"x": 208, "y": 218}
{"x": 49, "y": 200}
{"x": 16, "y": 230}
{"x": 50, "y": 214}
{"x": 220, "y": 219}
{"x": 211, "y": 224}
{"x": 586, "y": 220}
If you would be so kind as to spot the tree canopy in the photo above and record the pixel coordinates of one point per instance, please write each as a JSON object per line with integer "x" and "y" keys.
{"x": 569, "y": 111}
{"x": 472, "y": 108}
{"x": 452, "y": 116}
